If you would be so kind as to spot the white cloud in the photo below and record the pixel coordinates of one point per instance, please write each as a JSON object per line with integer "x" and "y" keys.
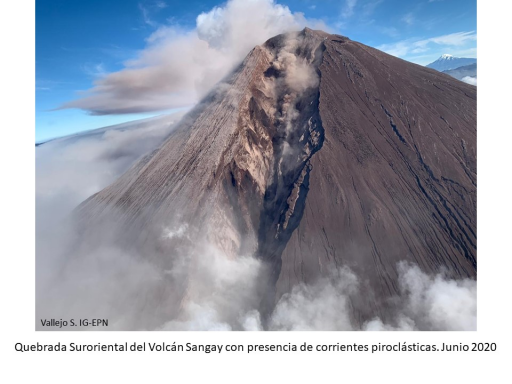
{"x": 453, "y": 39}
{"x": 94, "y": 70}
{"x": 178, "y": 67}
{"x": 348, "y": 9}
{"x": 469, "y": 80}
{"x": 408, "y": 19}
{"x": 390, "y": 31}
{"x": 147, "y": 8}
{"x": 369, "y": 8}
{"x": 145, "y": 16}
{"x": 398, "y": 49}
{"x": 71, "y": 169}
{"x": 414, "y": 46}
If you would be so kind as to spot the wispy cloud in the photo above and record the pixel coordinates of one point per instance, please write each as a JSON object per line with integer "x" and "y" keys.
{"x": 369, "y": 8}
{"x": 145, "y": 16}
{"x": 148, "y": 8}
{"x": 160, "y": 5}
{"x": 94, "y": 70}
{"x": 48, "y": 85}
{"x": 415, "y": 46}
{"x": 389, "y": 31}
{"x": 409, "y": 18}
{"x": 458, "y": 38}
{"x": 348, "y": 9}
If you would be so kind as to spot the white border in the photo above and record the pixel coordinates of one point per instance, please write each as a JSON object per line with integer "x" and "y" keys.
{"x": 17, "y": 259}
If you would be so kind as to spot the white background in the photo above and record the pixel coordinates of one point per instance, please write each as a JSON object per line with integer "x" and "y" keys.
{"x": 17, "y": 260}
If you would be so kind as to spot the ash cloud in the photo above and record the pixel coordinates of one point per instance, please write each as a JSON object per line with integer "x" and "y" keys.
{"x": 300, "y": 75}
{"x": 177, "y": 68}
{"x": 296, "y": 79}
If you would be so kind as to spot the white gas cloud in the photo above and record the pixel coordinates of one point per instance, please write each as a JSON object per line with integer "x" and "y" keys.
{"x": 179, "y": 67}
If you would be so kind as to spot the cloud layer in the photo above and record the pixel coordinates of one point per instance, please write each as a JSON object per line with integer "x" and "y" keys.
{"x": 179, "y": 67}
{"x": 407, "y": 47}
{"x": 469, "y": 79}
{"x": 71, "y": 169}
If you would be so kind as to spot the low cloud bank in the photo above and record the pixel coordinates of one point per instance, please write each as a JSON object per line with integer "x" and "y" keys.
{"x": 70, "y": 169}
{"x": 469, "y": 80}
{"x": 177, "y": 68}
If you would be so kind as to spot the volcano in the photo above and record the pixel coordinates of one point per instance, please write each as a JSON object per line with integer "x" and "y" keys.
{"x": 316, "y": 153}
{"x": 447, "y": 62}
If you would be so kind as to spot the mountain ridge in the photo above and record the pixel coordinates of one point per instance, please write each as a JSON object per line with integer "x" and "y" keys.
{"x": 448, "y": 62}
{"x": 461, "y": 72}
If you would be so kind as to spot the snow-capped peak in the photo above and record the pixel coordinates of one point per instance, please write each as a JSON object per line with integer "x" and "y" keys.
{"x": 446, "y": 62}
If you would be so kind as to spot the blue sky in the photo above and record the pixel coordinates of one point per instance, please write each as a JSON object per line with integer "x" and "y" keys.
{"x": 107, "y": 46}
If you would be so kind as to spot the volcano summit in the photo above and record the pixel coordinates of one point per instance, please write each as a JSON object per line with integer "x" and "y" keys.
{"x": 317, "y": 154}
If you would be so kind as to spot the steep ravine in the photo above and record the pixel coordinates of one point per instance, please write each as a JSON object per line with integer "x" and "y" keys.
{"x": 286, "y": 193}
